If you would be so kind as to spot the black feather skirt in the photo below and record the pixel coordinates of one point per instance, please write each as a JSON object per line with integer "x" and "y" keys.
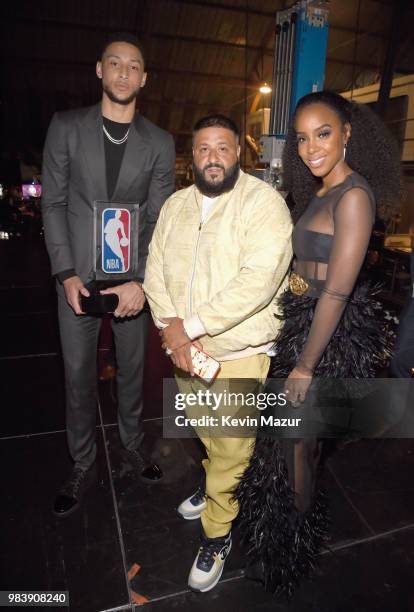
{"x": 360, "y": 345}
{"x": 283, "y": 530}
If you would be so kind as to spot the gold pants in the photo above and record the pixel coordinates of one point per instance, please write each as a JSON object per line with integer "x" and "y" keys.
{"x": 227, "y": 458}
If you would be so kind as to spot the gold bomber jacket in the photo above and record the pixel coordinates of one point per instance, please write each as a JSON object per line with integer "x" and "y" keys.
{"x": 227, "y": 270}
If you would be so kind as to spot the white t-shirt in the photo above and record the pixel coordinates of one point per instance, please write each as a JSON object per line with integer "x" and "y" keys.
{"x": 207, "y": 204}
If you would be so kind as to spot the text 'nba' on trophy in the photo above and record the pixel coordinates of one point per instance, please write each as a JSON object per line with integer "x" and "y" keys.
{"x": 116, "y": 253}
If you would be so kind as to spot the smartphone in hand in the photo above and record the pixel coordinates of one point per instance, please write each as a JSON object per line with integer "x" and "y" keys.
{"x": 205, "y": 367}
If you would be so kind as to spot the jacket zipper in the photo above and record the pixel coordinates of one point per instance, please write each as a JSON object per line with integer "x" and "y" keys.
{"x": 190, "y": 292}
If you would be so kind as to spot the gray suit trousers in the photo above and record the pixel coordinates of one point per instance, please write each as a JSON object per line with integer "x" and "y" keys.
{"x": 79, "y": 337}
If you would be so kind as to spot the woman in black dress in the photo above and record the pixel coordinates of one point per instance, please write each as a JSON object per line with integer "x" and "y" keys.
{"x": 342, "y": 168}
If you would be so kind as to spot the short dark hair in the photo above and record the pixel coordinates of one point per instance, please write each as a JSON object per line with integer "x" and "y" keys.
{"x": 125, "y": 37}
{"x": 216, "y": 120}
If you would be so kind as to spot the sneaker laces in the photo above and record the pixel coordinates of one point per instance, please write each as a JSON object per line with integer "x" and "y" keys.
{"x": 198, "y": 496}
{"x": 74, "y": 482}
{"x": 209, "y": 549}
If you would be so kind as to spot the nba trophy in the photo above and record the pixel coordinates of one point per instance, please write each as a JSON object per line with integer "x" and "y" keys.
{"x": 115, "y": 248}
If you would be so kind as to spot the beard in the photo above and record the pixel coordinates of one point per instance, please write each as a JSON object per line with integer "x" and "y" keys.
{"x": 114, "y": 98}
{"x": 213, "y": 190}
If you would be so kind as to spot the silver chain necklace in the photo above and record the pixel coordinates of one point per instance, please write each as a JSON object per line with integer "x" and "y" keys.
{"x": 114, "y": 140}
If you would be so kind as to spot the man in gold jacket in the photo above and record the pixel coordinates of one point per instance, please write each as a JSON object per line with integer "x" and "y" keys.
{"x": 218, "y": 260}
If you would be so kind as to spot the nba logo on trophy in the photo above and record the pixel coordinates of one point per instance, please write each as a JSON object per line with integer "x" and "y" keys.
{"x": 116, "y": 241}
{"x": 116, "y": 230}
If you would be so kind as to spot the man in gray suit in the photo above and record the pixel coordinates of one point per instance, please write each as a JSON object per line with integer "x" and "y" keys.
{"x": 105, "y": 152}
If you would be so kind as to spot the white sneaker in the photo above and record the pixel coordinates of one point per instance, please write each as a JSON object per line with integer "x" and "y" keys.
{"x": 209, "y": 563}
{"x": 192, "y": 507}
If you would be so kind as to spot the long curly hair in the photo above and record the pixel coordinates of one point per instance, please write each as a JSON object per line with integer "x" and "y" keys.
{"x": 371, "y": 151}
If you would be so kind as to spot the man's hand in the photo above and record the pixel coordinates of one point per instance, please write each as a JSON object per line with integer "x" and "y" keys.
{"x": 174, "y": 336}
{"x": 73, "y": 286}
{"x": 177, "y": 344}
{"x": 296, "y": 387}
{"x": 181, "y": 357}
{"x": 131, "y": 299}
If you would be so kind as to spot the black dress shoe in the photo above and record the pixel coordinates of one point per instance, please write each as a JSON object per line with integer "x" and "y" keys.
{"x": 148, "y": 472}
{"x": 70, "y": 495}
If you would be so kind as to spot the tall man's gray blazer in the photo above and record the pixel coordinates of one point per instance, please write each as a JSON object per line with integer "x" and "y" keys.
{"x": 74, "y": 175}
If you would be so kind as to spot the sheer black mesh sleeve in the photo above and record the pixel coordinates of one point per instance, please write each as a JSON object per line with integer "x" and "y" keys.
{"x": 353, "y": 220}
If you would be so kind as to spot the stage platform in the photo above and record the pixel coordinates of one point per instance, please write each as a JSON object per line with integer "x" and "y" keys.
{"x": 127, "y": 544}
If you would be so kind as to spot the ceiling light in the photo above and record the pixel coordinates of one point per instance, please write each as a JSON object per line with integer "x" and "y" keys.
{"x": 265, "y": 88}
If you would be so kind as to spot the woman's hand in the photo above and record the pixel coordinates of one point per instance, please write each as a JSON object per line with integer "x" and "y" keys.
{"x": 296, "y": 386}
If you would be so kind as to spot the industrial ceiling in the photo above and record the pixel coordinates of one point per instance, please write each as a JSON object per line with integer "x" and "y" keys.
{"x": 202, "y": 56}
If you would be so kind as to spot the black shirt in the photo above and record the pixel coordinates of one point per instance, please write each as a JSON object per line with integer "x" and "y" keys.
{"x": 113, "y": 159}
{"x": 114, "y": 152}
